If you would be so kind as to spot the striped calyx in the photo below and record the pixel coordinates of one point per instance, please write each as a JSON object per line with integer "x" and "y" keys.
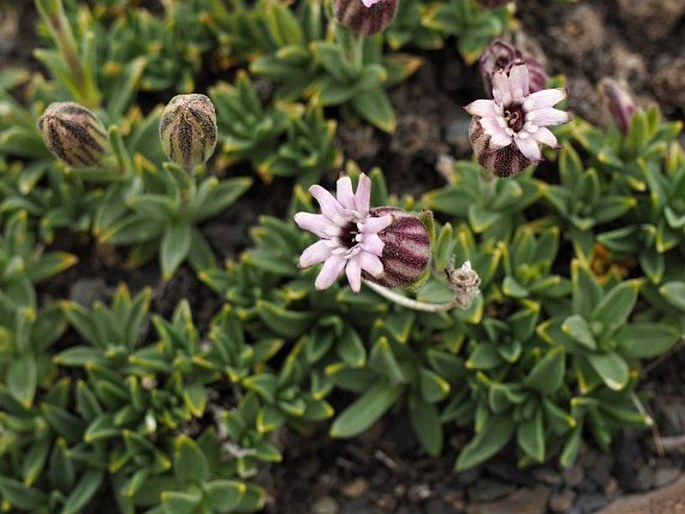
{"x": 73, "y": 134}
{"x": 188, "y": 130}
{"x": 502, "y": 162}
{"x": 363, "y": 19}
{"x": 406, "y": 251}
{"x": 503, "y": 56}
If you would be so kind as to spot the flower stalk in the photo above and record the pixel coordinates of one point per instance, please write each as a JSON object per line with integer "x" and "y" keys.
{"x": 83, "y": 84}
{"x": 464, "y": 281}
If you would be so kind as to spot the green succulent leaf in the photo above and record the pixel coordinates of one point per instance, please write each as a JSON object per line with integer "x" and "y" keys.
{"x": 611, "y": 367}
{"x": 366, "y": 410}
{"x": 548, "y": 374}
{"x": 190, "y": 463}
{"x": 493, "y": 436}
{"x": 674, "y": 293}
{"x": 645, "y": 340}
{"x": 425, "y": 420}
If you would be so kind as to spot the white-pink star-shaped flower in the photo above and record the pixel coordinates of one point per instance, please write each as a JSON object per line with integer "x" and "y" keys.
{"x": 517, "y": 116}
{"x": 349, "y": 234}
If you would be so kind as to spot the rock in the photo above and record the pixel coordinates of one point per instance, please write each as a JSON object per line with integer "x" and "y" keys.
{"x": 591, "y": 502}
{"x": 645, "y": 478}
{"x": 600, "y": 472}
{"x": 524, "y": 501}
{"x": 358, "y": 507}
{"x": 418, "y": 492}
{"x": 652, "y": 19}
{"x": 486, "y": 490}
{"x": 667, "y": 500}
{"x": 612, "y": 487}
{"x": 325, "y": 505}
{"x": 437, "y": 506}
{"x": 356, "y": 488}
{"x": 562, "y": 501}
{"x": 547, "y": 476}
{"x": 87, "y": 291}
{"x": 666, "y": 475}
{"x": 574, "y": 476}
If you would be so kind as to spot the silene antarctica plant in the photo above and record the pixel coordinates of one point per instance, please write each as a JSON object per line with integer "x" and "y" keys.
{"x": 382, "y": 247}
{"x": 508, "y": 131}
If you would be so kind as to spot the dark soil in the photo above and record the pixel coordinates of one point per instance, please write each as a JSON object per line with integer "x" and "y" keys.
{"x": 384, "y": 471}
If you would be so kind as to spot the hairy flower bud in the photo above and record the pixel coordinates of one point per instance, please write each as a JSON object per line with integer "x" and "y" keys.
{"x": 619, "y": 102}
{"x": 406, "y": 251}
{"x": 502, "y": 56}
{"x": 365, "y": 17}
{"x": 73, "y": 133}
{"x": 188, "y": 130}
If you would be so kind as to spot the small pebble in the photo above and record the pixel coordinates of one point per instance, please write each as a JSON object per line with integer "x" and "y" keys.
{"x": 356, "y": 488}
{"x": 325, "y": 505}
{"x": 562, "y": 502}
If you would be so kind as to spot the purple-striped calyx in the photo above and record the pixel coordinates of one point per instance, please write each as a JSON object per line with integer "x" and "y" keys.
{"x": 407, "y": 248}
{"x": 188, "y": 130}
{"x": 385, "y": 245}
{"x": 502, "y": 56}
{"x": 365, "y": 17}
{"x": 73, "y": 134}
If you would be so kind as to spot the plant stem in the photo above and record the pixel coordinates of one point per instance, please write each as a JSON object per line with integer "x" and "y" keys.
{"x": 410, "y": 303}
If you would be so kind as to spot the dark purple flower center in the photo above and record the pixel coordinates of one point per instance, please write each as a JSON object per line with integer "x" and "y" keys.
{"x": 348, "y": 235}
{"x": 515, "y": 116}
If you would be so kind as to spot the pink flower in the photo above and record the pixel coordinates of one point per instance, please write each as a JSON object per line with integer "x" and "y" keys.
{"x": 508, "y": 131}
{"x": 348, "y": 231}
{"x": 369, "y": 3}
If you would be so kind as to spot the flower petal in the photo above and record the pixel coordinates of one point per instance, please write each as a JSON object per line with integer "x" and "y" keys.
{"x": 372, "y": 244}
{"x": 344, "y": 193}
{"x": 500, "y": 88}
{"x": 314, "y": 254}
{"x": 371, "y": 264}
{"x": 375, "y": 225}
{"x": 548, "y": 117}
{"x": 518, "y": 83}
{"x": 316, "y": 224}
{"x": 353, "y": 270}
{"x": 544, "y": 136}
{"x": 362, "y": 197}
{"x": 482, "y": 108}
{"x": 500, "y": 140}
{"x": 330, "y": 207}
{"x": 329, "y": 272}
{"x": 529, "y": 148}
{"x": 544, "y": 98}
{"x": 369, "y": 3}
{"x": 492, "y": 126}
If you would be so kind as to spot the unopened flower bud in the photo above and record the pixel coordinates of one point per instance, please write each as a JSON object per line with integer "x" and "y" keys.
{"x": 406, "y": 251}
{"x": 502, "y": 162}
{"x": 502, "y": 56}
{"x": 365, "y": 17}
{"x": 493, "y": 4}
{"x": 73, "y": 133}
{"x": 619, "y": 102}
{"x": 188, "y": 130}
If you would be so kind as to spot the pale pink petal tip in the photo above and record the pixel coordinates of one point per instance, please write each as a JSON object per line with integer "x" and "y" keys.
{"x": 369, "y": 3}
